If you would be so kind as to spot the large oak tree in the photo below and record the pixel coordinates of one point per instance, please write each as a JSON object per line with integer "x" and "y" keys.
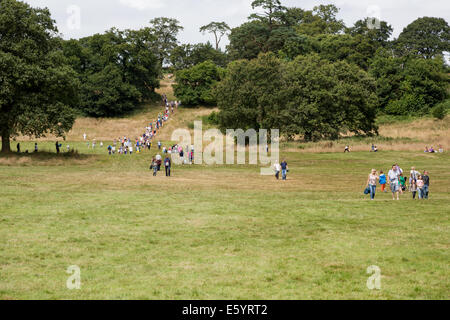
{"x": 37, "y": 87}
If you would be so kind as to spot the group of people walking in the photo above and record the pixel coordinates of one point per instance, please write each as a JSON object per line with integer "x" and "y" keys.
{"x": 126, "y": 146}
{"x": 418, "y": 184}
{"x": 281, "y": 168}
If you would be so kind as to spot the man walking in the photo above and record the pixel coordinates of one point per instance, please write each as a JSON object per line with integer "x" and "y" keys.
{"x": 394, "y": 182}
{"x": 167, "y": 164}
{"x": 284, "y": 169}
{"x": 426, "y": 186}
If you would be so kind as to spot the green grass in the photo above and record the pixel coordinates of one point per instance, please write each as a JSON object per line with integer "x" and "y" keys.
{"x": 218, "y": 232}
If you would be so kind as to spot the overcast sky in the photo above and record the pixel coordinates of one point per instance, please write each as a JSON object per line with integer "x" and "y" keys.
{"x": 97, "y": 16}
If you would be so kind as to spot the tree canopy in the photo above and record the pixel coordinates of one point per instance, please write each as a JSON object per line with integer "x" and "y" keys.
{"x": 195, "y": 85}
{"x": 426, "y": 37}
{"x": 38, "y": 89}
{"x": 218, "y": 29}
{"x": 118, "y": 70}
{"x": 309, "y": 96}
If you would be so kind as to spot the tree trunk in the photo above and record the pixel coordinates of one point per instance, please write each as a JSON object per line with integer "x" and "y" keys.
{"x": 6, "y": 144}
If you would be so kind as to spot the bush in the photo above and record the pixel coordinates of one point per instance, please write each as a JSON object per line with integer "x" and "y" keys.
{"x": 440, "y": 110}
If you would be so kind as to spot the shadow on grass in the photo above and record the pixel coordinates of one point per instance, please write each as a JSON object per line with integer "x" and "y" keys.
{"x": 45, "y": 158}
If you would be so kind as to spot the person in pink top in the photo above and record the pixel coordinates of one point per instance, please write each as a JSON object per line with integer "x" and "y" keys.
{"x": 420, "y": 187}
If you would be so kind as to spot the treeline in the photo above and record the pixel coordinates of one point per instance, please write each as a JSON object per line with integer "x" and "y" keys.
{"x": 409, "y": 73}
{"x": 303, "y": 71}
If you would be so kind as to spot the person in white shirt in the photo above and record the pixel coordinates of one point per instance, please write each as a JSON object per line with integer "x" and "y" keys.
{"x": 394, "y": 181}
{"x": 277, "y": 169}
{"x": 84, "y": 136}
{"x": 413, "y": 175}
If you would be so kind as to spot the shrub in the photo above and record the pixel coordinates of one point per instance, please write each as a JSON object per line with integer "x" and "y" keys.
{"x": 440, "y": 110}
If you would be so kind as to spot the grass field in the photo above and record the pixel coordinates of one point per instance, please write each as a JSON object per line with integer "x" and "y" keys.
{"x": 221, "y": 232}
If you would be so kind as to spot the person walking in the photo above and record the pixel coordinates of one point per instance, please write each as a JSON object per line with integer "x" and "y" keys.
{"x": 18, "y": 147}
{"x": 420, "y": 187}
{"x": 57, "y": 147}
{"x": 426, "y": 187}
{"x": 154, "y": 167}
{"x": 382, "y": 181}
{"x": 393, "y": 175}
{"x": 35, "y": 147}
{"x": 413, "y": 188}
{"x": 372, "y": 183}
{"x": 413, "y": 174}
{"x": 277, "y": 169}
{"x": 167, "y": 165}
{"x": 284, "y": 169}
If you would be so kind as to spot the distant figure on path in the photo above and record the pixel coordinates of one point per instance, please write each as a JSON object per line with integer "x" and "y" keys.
{"x": 18, "y": 147}
{"x": 347, "y": 149}
{"x": 35, "y": 147}
{"x": 57, "y": 147}
{"x": 84, "y": 136}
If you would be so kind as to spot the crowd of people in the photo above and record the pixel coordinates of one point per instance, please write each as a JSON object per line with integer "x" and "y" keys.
{"x": 417, "y": 184}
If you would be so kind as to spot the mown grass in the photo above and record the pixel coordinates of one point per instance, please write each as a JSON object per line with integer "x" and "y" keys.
{"x": 219, "y": 232}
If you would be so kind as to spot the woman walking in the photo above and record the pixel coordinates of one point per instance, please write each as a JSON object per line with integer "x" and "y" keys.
{"x": 372, "y": 183}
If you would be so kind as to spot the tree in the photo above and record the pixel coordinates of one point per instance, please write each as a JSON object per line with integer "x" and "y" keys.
{"x": 249, "y": 95}
{"x": 219, "y": 29}
{"x": 166, "y": 31}
{"x": 273, "y": 11}
{"x": 321, "y": 20}
{"x": 357, "y": 49}
{"x": 325, "y": 99}
{"x": 379, "y": 35}
{"x": 409, "y": 85}
{"x": 309, "y": 96}
{"x": 187, "y": 55}
{"x": 195, "y": 85}
{"x": 118, "y": 70}
{"x": 248, "y": 40}
{"x": 426, "y": 37}
{"x": 37, "y": 87}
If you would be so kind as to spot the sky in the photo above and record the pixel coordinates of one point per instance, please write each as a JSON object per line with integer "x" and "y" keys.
{"x": 80, "y": 18}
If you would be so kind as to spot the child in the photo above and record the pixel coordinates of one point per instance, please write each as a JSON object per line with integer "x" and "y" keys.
{"x": 402, "y": 182}
{"x": 413, "y": 188}
{"x": 420, "y": 186}
{"x": 383, "y": 181}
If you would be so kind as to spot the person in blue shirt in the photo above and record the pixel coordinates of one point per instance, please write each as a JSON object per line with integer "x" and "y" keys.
{"x": 284, "y": 169}
{"x": 383, "y": 181}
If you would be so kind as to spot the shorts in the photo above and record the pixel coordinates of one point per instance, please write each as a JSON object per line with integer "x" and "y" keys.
{"x": 394, "y": 187}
